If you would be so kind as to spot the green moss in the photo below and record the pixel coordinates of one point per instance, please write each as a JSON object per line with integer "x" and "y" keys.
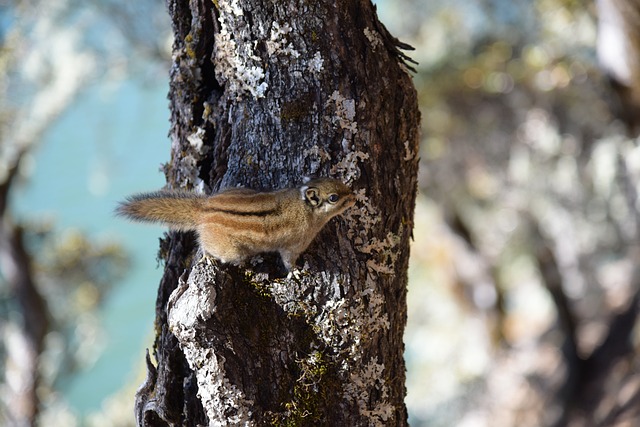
{"x": 188, "y": 45}
{"x": 208, "y": 110}
{"x": 305, "y": 406}
{"x": 260, "y": 287}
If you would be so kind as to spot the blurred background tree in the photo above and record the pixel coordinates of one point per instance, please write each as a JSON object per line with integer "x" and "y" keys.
{"x": 529, "y": 180}
{"x": 55, "y": 274}
{"x": 524, "y": 287}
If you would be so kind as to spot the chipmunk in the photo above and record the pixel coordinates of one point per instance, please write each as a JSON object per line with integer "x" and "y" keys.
{"x": 236, "y": 224}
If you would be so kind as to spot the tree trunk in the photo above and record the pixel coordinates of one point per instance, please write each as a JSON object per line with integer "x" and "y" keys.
{"x": 261, "y": 95}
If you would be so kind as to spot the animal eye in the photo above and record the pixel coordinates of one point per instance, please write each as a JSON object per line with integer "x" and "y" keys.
{"x": 333, "y": 198}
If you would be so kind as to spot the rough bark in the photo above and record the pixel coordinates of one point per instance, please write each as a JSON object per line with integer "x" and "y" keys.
{"x": 261, "y": 95}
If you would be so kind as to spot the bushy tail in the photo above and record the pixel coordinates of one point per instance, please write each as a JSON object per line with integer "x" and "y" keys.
{"x": 179, "y": 210}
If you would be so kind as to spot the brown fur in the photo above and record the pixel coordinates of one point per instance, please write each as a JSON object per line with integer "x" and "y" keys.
{"x": 236, "y": 224}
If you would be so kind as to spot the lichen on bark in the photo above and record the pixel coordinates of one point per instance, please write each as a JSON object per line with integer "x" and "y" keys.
{"x": 263, "y": 94}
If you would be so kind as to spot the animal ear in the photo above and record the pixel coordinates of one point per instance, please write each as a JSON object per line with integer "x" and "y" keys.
{"x": 311, "y": 194}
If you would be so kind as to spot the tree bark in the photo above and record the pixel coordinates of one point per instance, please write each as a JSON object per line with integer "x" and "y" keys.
{"x": 261, "y": 95}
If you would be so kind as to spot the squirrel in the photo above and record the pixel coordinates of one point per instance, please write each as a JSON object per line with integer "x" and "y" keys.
{"x": 236, "y": 224}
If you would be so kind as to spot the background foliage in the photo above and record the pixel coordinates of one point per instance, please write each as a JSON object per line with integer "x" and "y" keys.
{"x": 524, "y": 286}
